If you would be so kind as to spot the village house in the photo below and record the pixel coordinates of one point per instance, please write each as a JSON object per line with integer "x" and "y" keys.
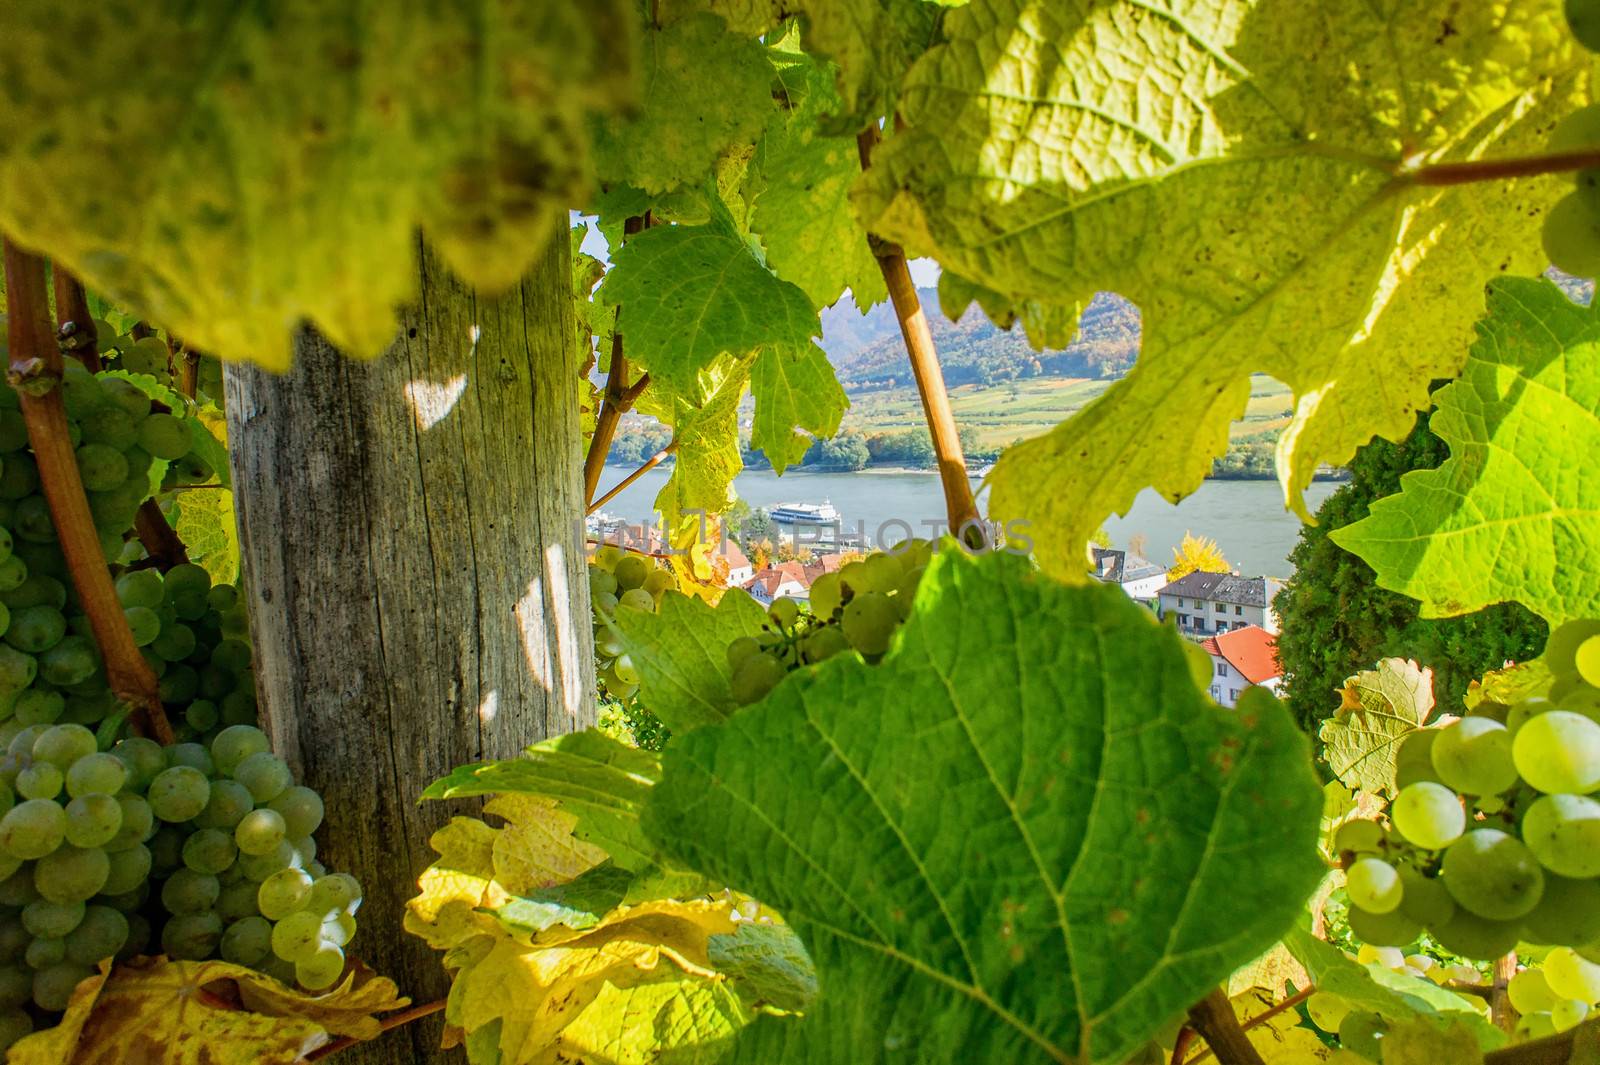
{"x": 1139, "y": 577}
{"x": 1241, "y": 658}
{"x": 1206, "y": 604}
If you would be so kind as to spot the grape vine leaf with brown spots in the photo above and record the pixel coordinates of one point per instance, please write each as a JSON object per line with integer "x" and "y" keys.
{"x": 1024, "y": 835}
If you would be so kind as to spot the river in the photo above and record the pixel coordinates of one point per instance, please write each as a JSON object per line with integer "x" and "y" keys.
{"x": 1246, "y": 518}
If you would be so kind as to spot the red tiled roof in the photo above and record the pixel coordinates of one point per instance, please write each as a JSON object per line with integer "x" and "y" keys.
{"x": 730, "y": 551}
{"x": 1252, "y": 650}
{"x": 770, "y": 578}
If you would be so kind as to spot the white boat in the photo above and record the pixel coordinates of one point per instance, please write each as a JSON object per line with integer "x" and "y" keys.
{"x": 823, "y": 513}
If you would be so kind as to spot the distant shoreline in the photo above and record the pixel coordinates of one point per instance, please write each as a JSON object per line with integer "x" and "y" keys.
{"x": 1329, "y": 475}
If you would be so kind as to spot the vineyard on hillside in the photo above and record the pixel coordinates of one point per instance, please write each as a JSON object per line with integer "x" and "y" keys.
{"x": 331, "y": 726}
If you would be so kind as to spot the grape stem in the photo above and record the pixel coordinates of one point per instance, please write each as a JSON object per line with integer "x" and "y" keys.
{"x": 77, "y": 334}
{"x": 1216, "y": 1022}
{"x": 619, "y": 395}
{"x": 648, "y": 465}
{"x": 1182, "y": 1044}
{"x": 961, "y": 507}
{"x": 35, "y": 372}
{"x": 1500, "y": 1008}
{"x": 393, "y": 1021}
{"x": 1465, "y": 173}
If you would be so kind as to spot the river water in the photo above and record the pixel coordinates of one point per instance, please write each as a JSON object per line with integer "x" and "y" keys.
{"x": 1246, "y": 518}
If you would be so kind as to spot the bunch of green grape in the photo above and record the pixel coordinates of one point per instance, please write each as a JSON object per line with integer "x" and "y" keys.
{"x": 1493, "y": 837}
{"x": 619, "y": 578}
{"x": 1361, "y": 1031}
{"x": 1572, "y": 228}
{"x": 858, "y": 608}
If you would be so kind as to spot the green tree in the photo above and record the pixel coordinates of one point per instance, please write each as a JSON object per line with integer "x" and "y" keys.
{"x": 1336, "y": 621}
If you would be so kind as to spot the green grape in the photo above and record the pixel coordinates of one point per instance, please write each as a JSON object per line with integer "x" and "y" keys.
{"x": 301, "y": 809}
{"x": 1561, "y": 649}
{"x": 259, "y": 832}
{"x": 41, "y": 780}
{"x": 187, "y": 891}
{"x": 339, "y": 892}
{"x": 144, "y": 759}
{"x": 1583, "y": 19}
{"x": 602, "y": 583}
{"x": 869, "y": 622}
{"x": 283, "y": 893}
{"x": 265, "y": 774}
{"x": 51, "y": 920}
{"x": 166, "y": 850}
{"x": 108, "y": 425}
{"x": 1374, "y": 885}
{"x": 144, "y": 623}
{"x": 631, "y": 571}
{"x": 1572, "y": 237}
{"x": 17, "y": 890}
{"x": 13, "y": 431}
{"x": 178, "y": 684}
{"x": 33, "y": 829}
{"x": 247, "y": 941}
{"x": 16, "y": 987}
{"x": 36, "y": 628}
{"x": 258, "y": 867}
{"x": 659, "y": 582}
{"x": 228, "y": 804}
{"x": 193, "y": 755}
{"x": 1587, "y": 661}
{"x": 69, "y": 662}
{"x": 784, "y": 612}
{"x": 1471, "y": 936}
{"x": 14, "y": 1024}
{"x": 1568, "y": 1013}
{"x": 1563, "y": 832}
{"x": 129, "y": 868}
{"x": 178, "y": 794}
{"x": 1392, "y": 929}
{"x": 53, "y": 986}
{"x": 1362, "y": 1033}
{"x": 140, "y": 588}
{"x": 100, "y": 467}
{"x": 192, "y": 936}
{"x": 209, "y": 851}
{"x": 860, "y": 578}
{"x": 31, "y": 521}
{"x": 1559, "y": 752}
{"x": 43, "y": 952}
{"x": 236, "y": 743}
{"x": 101, "y": 934}
{"x": 1493, "y": 875}
{"x": 320, "y": 969}
{"x": 17, "y": 669}
{"x": 19, "y": 476}
{"x": 138, "y": 823}
{"x": 297, "y": 936}
{"x": 1571, "y": 976}
{"x": 826, "y": 593}
{"x": 1327, "y": 1010}
{"x": 1529, "y": 992}
{"x": 164, "y": 436}
{"x": 103, "y": 774}
{"x": 72, "y": 874}
{"x": 824, "y": 643}
{"x": 1473, "y": 756}
{"x": 755, "y": 677}
{"x": 741, "y": 649}
{"x": 638, "y": 599}
{"x": 238, "y": 900}
{"x": 201, "y": 715}
{"x": 1568, "y": 913}
{"x": 93, "y": 820}
{"x": 13, "y": 939}
{"x": 175, "y": 642}
{"x": 63, "y": 745}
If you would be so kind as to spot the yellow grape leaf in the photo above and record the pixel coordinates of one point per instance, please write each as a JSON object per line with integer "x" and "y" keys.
{"x": 206, "y": 524}
{"x": 1274, "y": 969}
{"x": 454, "y": 888}
{"x": 1280, "y": 1039}
{"x": 1379, "y": 708}
{"x": 536, "y": 992}
{"x": 159, "y": 1012}
{"x": 536, "y": 849}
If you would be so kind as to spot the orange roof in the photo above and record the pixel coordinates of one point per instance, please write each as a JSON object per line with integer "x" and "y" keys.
{"x": 773, "y": 576}
{"x": 1252, "y": 650}
{"x": 730, "y": 551}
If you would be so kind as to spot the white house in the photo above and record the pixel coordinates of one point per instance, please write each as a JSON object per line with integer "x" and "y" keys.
{"x": 1139, "y": 577}
{"x": 739, "y": 568}
{"x": 777, "y": 581}
{"x": 1208, "y": 603}
{"x": 1241, "y": 658}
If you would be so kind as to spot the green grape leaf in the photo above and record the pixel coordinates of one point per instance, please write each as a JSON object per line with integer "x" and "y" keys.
{"x": 1023, "y": 835}
{"x": 770, "y": 964}
{"x": 1244, "y": 173}
{"x": 590, "y": 776}
{"x": 708, "y": 458}
{"x": 577, "y": 905}
{"x": 204, "y": 520}
{"x": 692, "y": 293}
{"x": 1513, "y": 513}
{"x": 794, "y": 389}
{"x": 260, "y": 171}
{"x": 681, "y": 653}
{"x": 1396, "y": 996}
{"x": 704, "y": 90}
{"x": 874, "y": 43}
{"x": 204, "y": 421}
{"x": 1379, "y": 708}
{"x": 748, "y": 18}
